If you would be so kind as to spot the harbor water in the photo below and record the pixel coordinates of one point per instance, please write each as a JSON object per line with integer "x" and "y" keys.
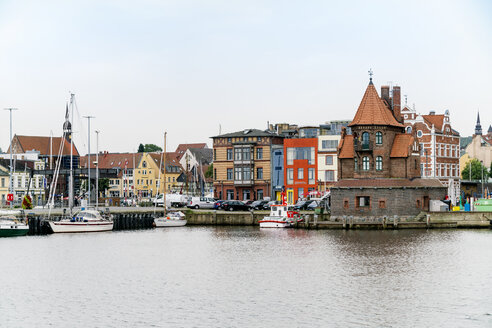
{"x": 247, "y": 277}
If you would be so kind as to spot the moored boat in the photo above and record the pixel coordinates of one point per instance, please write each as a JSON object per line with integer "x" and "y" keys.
{"x": 83, "y": 221}
{"x": 10, "y": 226}
{"x": 171, "y": 219}
{"x": 281, "y": 216}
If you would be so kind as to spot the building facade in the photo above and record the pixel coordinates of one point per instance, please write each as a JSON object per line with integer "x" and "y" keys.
{"x": 242, "y": 164}
{"x": 481, "y": 145}
{"x": 378, "y": 165}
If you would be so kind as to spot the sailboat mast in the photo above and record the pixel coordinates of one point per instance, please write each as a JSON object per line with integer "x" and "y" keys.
{"x": 70, "y": 192}
{"x": 164, "y": 191}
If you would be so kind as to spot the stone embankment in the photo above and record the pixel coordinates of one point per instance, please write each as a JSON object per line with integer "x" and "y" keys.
{"x": 142, "y": 218}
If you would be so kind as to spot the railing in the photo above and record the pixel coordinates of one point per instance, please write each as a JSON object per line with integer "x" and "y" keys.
{"x": 243, "y": 182}
{"x": 363, "y": 146}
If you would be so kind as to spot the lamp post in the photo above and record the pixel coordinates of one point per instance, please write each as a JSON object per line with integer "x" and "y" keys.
{"x": 481, "y": 163}
{"x": 11, "y": 181}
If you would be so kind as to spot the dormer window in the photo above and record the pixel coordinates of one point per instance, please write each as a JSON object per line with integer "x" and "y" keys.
{"x": 144, "y": 164}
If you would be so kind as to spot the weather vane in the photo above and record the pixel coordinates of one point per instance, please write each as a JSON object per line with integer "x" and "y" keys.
{"x": 370, "y": 74}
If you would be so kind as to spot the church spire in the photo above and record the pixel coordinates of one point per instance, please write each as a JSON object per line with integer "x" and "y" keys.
{"x": 478, "y": 127}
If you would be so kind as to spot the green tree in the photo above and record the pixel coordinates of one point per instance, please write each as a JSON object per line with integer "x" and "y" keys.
{"x": 141, "y": 148}
{"x": 103, "y": 185}
{"x": 476, "y": 170}
{"x": 150, "y": 148}
{"x": 210, "y": 171}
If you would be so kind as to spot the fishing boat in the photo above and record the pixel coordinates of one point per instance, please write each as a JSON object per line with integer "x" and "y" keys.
{"x": 281, "y": 216}
{"x": 172, "y": 219}
{"x": 169, "y": 219}
{"x": 11, "y": 226}
{"x": 83, "y": 221}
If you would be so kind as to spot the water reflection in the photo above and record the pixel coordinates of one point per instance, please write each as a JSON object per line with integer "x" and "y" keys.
{"x": 247, "y": 277}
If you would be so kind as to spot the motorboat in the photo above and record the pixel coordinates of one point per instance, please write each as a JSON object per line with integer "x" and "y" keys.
{"x": 83, "y": 221}
{"x": 11, "y": 226}
{"x": 281, "y": 216}
{"x": 171, "y": 219}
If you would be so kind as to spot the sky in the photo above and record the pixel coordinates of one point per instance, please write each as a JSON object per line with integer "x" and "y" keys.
{"x": 194, "y": 68}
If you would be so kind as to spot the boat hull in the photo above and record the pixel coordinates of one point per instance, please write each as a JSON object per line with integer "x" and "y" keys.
{"x": 274, "y": 224}
{"x": 164, "y": 223}
{"x": 71, "y": 227}
{"x": 13, "y": 232}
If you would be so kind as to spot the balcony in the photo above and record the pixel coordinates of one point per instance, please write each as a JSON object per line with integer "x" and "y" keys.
{"x": 243, "y": 182}
{"x": 363, "y": 146}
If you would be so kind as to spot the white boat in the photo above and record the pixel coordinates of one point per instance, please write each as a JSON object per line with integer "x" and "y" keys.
{"x": 281, "y": 216}
{"x": 171, "y": 219}
{"x": 83, "y": 221}
{"x": 10, "y": 226}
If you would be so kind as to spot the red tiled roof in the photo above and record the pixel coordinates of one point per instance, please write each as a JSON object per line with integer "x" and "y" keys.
{"x": 347, "y": 147}
{"x": 171, "y": 159}
{"x": 373, "y": 111}
{"x": 112, "y": 160}
{"x": 401, "y": 145}
{"x": 43, "y": 144}
{"x": 386, "y": 183}
{"x": 437, "y": 120}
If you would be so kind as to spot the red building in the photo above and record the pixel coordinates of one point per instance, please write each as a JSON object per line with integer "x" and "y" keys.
{"x": 300, "y": 167}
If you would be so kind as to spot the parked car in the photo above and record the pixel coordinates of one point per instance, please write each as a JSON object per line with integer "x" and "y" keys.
{"x": 234, "y": 205}
{"x": 258, "y": 204}
{"x": 218, "y": 204}
{"x": 302, "y": 205}
{"x": 201, "y": 202}
{"x": 248, "y": 202}
{"x": 269, "y": 204}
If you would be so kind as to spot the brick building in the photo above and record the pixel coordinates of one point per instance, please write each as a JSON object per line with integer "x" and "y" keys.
{"x": 300, "y": 167}
{"x": 439, "y": 147}
{"x": 242, "y": 164}
{"x": 379, "y": 164}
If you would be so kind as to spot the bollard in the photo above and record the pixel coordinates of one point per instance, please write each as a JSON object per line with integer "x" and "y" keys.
{"x": 395, "y": 222}
{"x": 384, "y": 222}
{"x": 351, "y": 222}
{"x": 428, "y": 220}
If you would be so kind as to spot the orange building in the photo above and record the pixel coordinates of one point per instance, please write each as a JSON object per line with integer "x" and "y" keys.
{"x": 300, "y": 167}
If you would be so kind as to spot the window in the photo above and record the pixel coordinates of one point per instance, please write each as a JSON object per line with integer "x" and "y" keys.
{"x": 356, "y": 164}
{"x": 363, "y": 201}
{"x": 259, "y": 193}
{"x": 215, "y": 154}
{"x": 245, "y": 139}
{"x": 365, "y": 138}
{"x": 409, "y": 129}
{"x": 300, "y": 153}
{"x": 259, "y": 173}
{"x": 382, "y": 203}
{"x": 329, "y": 160}
{"x": 290, "y": 156}
{"x": 379, "y": 138}
{"x": 300, "y": 192}
{"x": 365, "y": 163}
{"x": 259, "y": 153}
{"x": 238, "y": 154}
{"x": 215, "y": 174}
{"x": 345, "y": 203}
{"x": 238, "y": 174}
{"x": 419, "y": 134}
{"x": 329, "y": 175}
{"x": 311, "y": 175}
{"x": 230, "y": 194}
{"x": 258, "y": 139}
{"x": 300, "y": 174}
{"x": 329, "y": 144}
{"x": 144, "y": 164}
{"x": 229, "y": 154}
{"x": 229, "y": 174}
{"x": 379, "y": 163}
{"x": 290, "y": 176}
{"x": 246, "y": 154}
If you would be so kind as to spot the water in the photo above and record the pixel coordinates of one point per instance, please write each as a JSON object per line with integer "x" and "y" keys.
{"x": 244, "y": 277}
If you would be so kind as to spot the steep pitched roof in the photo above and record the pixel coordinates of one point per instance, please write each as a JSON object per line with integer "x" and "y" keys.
{"x": 401, "y": 145}
{"x": 347, "y": 147}
{"x": 490, "y": 129}
{"x": 204, "y": 156}
{"x": 19, "y": 165}
{"x": 112, "y": 160}
{"x": 373, "y": 111}
{"x": 181, "y": 149}
{"x": 42, "y": 144}
{"x": 171, "y": 160}
{"x": 436, "y": 120}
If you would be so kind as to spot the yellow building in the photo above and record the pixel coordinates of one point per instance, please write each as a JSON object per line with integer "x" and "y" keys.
{"x": 148, "y": 180}
{"x": 4, "y": 185}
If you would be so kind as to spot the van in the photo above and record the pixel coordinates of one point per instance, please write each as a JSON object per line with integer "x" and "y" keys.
{"x": 172, "y": 200}
{"x": 201, "y": 202}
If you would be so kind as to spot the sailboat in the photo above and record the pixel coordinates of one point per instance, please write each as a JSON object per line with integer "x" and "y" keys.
{"x": 84, "y": 220}
{"x": 169, "y": 219}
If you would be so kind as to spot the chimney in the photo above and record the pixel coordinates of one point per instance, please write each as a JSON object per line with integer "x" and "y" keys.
{"x": 397, "y": 103}
{"x": 385, "y": 94}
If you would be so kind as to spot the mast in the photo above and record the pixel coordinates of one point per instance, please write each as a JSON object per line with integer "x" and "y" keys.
{"x": 11, "y": 181}
{"x": 97, "y": 168}
{"x": 164, "y": 191}
{"x": 89, "y": 159}
{"x": 70, "y": 191}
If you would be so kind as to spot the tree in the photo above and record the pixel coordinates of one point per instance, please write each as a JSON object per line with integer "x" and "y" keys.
{"x": 210, "y": 171}
{"x": 476, "y": 170}
{"x": 141, "y": 148}
{"x": 103, "y": 185}
{"x": 151, "y": 148}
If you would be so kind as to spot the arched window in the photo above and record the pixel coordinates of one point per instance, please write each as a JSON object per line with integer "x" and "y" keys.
{"x": 144, "y": 164}
{"x": 409, "y": 129}
{"x": 365, "y": 163}
{"x": 379, "y": 138}
{"x": 365, "y": 138}
{"x": 379, "y": 163}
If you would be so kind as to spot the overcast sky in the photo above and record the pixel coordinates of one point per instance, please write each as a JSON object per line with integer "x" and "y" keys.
{"x": 142, "y": 67}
